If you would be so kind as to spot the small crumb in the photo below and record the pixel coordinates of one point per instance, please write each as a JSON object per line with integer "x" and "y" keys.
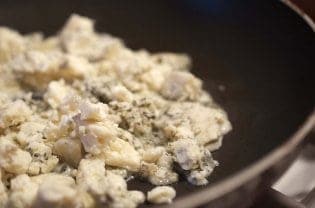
{"x": 161, "y": 194}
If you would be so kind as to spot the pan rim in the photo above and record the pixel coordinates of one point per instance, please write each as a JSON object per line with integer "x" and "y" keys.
{"x": 300, "y": 12}
{"x": 250, "y": 172}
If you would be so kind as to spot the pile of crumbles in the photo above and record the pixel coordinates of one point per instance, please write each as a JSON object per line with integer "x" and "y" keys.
{"x": 81, "y": 114}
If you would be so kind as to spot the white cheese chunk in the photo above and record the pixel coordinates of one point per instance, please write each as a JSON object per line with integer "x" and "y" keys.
{"x": 57, "y": 191}
{"x": 120, "y": 153}
{"x": 56, "y": 93}
{"x": 23, "y": 192}
{"x": 161, "y": 194}
{"x": 93, "y": 111}
{"x": 14, "y": 113}
{"x": 12, "y": 158}
{"x": 12, "y": 43}
{"x": 91, "y": 175}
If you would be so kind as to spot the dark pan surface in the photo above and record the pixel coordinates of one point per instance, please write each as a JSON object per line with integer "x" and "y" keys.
{"x": 261, "y": 51}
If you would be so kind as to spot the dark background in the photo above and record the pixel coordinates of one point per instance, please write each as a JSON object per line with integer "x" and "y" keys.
{"x": 307, "y": 5}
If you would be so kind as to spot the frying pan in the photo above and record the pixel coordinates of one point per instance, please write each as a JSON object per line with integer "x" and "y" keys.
{"x": 255, "y": 57}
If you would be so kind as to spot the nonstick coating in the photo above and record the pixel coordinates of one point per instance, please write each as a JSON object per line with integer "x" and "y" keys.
{"x": 260, "y": 51}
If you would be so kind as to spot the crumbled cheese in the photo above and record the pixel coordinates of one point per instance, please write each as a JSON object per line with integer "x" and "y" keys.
{"x": 93, "y": 178}
{"x": 161, "y": 172}
{"x": 91, "y": 175}
{"x": 75, "y": 66}
{"x": 153, "y": 154}
{"x": 3, "y": 193}
{"x": 23, "y": 191}
{"x": 4, "y": 98}
{"x": 14, "y": 113}
{"x": 81, "y": 114}
{"x": 91, "y": 111}
{"x": 187, "y": 153}
{"x": 36, "y": 61}
{"x": 78, "y": 37}
{"x": 156, "y": 77}
{"x": 30, "y": 131}
{"x": 193, "y": 120}
{"x": 137, "y": 197}
{"x": 96, "y": 136}
{"x": 43, "y": 161}
{"x": 181, "y": 86}
{"x": 57, "y": 191}
{"x": 138, "y": 116}
{"x": 206, "y": 166}
{"x": 35, "y": 68}
{"x": 161, "y": 194}
{"x": 10, "y": 87}
{"x": 70, "y": 104}
{"x": 12, "y": 158}
{"x": 121, "y": 154}
{"x": 120, "y": 93}
{"x": 117, "y": 190}
{"x": 56, "y": 92}
{"x": 11, "y": 44}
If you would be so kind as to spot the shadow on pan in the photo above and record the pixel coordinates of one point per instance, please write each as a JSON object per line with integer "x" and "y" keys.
{"x": 260, "y": 51}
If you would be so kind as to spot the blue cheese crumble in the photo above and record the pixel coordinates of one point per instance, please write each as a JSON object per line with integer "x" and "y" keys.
{"x": 81, "y": 114}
